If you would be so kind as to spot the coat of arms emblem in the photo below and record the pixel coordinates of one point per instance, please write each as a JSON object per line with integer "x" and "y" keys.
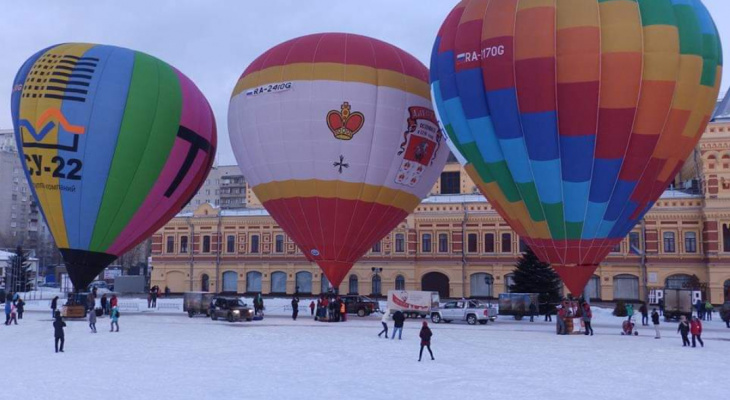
{"x": 421, "y": 142}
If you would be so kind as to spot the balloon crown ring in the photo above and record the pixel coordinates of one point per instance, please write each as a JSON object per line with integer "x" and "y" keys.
{"x": 344, "y": 124}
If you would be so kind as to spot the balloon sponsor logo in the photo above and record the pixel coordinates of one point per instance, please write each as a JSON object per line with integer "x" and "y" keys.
{"x": 344, "y": 124}
{"x": 63, "y": 188}
{"x": 421, "y": 142}
{"x": 487, "y": 52}
{"x": 270, "y": 88}
{"x": 314, "y": 252}
{"x": 59, "y": 167}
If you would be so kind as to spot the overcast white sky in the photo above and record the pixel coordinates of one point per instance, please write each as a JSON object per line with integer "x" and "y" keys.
{"x": 213, "y": 41}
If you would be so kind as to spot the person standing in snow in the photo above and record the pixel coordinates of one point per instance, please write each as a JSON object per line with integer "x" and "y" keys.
{"x": 708, "y": 310}
{"x": 661, "y": 307}
{"x": 384, "y": 320}
{"x": 21, "y": 308}
{"x": 644, "y": 314}
{"x": 562, "y": 314}
{"x": 587, "y": 317}
{"x": 104, "y": 304}
{"x": 92, "y": 321}
{"x": 398, "y": 319}
{"x": 425, "y": 335}
{"x": 343, "y": 311}
{"x": 54, "y": 305}
{"x": 13, "y": 315}
{"x": 311, "y": 307}
{"x": 115, "y": 319}
{"x": 683, "y": 330}
{"x": 629, "y": 311}
{"x": 655, "y": 321}
{"x": 533, "y": 311}
{"x": 8, "y": 308}
{"x": 113, "y": 301}
{"x": 58, "y": 335}
{"x": 695, "y": 328}
{"x": 549, "y": 308}
{"x": 294, "y": 307}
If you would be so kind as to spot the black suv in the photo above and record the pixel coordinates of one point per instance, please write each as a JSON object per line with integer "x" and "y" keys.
{"x": 231, "y": 308}
{"x": 359, "y": 305}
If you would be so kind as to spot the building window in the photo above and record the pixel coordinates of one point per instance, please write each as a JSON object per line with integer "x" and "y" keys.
{"x": 625, "y": 287}
{"x": 726, "y": 238}
{"x": 400, "y": 282}
{"x": 352, "y": 284}
{"x": 376, "y": 285}
{"x": 279, "y": 244}
{"x": 450, "y": 182}
{"x": 426, "y": 243}
{"x": 471, "y": 243}
{"x": 206, "y": 244}
{"x": 634, "y": 244}
{"x": 443, "y": 243}
{"x": 669, "y": 246}
{"x": 523, "y": 246}
{"x": 183, "y": 244}
{"x": 170, "y": 244}
{"x": 481, "y": 285}
{"x": 254, "y": 243}
{"x": 400, "y": 245}
{"x": 506, "y": 243}
{"x": 376, "y": 247}
{"x": 690, "y": 242}
{"x": 616, "y": 248}
{"x": 278, "y": 282}
{"x": 489, "y": 243}
{"x": 230, "y": 244}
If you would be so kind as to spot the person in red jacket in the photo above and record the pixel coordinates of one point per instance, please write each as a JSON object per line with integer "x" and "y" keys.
{"x": 113, "y": 301}
{"x": 695, "y": 327}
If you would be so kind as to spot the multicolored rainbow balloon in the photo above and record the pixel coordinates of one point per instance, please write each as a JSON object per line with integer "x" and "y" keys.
{"x": 573, "y": 116}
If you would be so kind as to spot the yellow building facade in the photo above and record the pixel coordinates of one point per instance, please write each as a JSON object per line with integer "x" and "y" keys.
{"x": 457, "y": 244}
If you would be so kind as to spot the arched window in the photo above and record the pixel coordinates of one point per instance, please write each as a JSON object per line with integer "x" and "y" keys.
{"x": 324, "y": 285}
{"x": 481, "y": 285}
{"x": 593, "y": 288}
{"x": 400, "y": 282}
{"x": 253, "y": 282}
{"x": 205, "y": 282}
{"x": 278, "y": 282}
{"x": 376, "y": 285}
{"x": 304, "y": 282}
{"x": 352, "y": 285}
{"x": 230, "y": 281}
{"x": 625, "y": 287}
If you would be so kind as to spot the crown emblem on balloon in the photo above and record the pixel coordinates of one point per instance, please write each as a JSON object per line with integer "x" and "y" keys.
{"x": 344, "y": 124}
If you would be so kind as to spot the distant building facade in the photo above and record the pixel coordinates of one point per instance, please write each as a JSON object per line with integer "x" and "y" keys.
{"x": 456, "y": 243}
{"x": 225, "y": 187}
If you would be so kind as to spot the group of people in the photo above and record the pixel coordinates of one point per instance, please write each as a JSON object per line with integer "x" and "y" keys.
{"x": 329, "y": 308}
{"x": 704, "y": 310}
{"x": 693, "y": 327}
{"x": 14, "y": 308}
{"x": 398, "y": 319}
{"x": 570, "y": 309}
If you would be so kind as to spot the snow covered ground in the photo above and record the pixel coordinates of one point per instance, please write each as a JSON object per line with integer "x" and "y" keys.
{"x": 164, "y": 354}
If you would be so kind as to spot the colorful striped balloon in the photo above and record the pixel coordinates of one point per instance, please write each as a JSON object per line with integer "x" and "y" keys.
{"x": 336, "y": 135}
{"x": 114, "y": 143}
{"x": 574, "y": 115}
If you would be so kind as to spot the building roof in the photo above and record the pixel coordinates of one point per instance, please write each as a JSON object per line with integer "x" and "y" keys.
{"x": 722, "y": 111}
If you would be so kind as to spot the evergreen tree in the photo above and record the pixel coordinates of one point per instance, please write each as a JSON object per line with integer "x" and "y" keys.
{"x": 534, "y": 276}
{"x": 18, "y": 269}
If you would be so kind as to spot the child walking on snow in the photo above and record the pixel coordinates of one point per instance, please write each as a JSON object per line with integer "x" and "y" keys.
{"x": 92, "y": 321}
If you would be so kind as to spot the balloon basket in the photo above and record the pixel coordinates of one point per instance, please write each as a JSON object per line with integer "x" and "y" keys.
{"x": 73, "y": 311}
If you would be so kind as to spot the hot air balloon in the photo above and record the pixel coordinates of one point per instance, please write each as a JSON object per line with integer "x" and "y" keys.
{"x": 114, "y": 143}
{"x": 338, "y": 139}
{"x": 572, "y": 116}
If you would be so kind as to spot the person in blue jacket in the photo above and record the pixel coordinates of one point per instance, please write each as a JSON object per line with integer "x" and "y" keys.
{"x": 115, "y": 319}
{"x": 8, "y": 307}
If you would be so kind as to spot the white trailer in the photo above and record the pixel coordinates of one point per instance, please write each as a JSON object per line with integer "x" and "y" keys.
{"x": 412, "y": 303}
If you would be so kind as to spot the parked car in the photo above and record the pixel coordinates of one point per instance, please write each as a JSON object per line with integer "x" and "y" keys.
{"x": 360, "y": 305}
{"x": 471, "y": 311}
{"x": 101, "y": 287}
{"x": 52, "y": 285}
{"x": 197, "y": 303}
{"x": 231, "y": 308}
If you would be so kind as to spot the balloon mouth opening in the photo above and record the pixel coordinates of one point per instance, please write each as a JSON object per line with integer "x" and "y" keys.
{"x": 83, "y": 266}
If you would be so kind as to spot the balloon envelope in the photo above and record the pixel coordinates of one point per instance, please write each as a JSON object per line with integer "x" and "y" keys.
{"x": 114, "y": 143}
{"x": 337, "y": 137}
{"x": 573, "y": 116}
